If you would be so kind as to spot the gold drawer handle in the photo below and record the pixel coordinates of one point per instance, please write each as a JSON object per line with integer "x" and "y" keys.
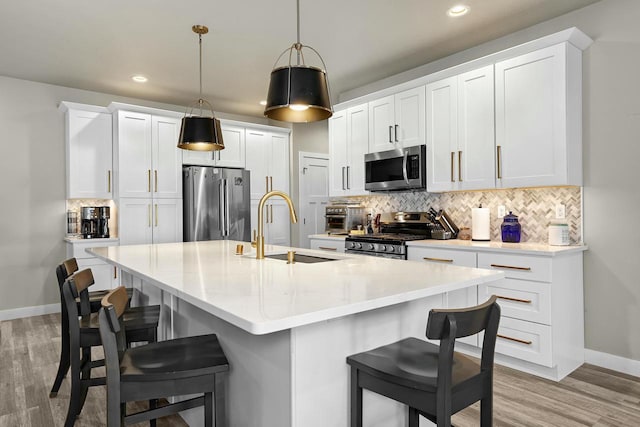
{"x": 327, "y": 249}
{"x": 452, "y": 157}
{"x": 511, "y": 267}
{"x": 526, "y": 301}
{"x": 515, "y": 339}
{"x": 148, "y": 180}
{"x": 109, "y": 181}
{"x": 437, "y": 259}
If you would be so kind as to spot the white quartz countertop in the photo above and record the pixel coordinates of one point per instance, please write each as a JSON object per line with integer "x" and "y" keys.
{"x": 269, "y": 295}
{"x": 514, "y": 248}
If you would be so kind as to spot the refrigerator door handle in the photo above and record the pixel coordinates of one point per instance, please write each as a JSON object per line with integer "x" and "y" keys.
{"x": 221, "y": 206}
{"x": 226, "y": 208}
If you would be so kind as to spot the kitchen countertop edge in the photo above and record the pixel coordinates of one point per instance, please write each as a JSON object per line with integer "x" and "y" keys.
{"x": 514, "y": 248}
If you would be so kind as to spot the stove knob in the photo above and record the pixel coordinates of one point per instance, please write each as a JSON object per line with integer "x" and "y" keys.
{"x": 358, "y": 245}
{"x": 391, "y": 248}
{"x": 371, "y": 246}
{"x": 350, "y": 245}
{"x": 383, "y": 248}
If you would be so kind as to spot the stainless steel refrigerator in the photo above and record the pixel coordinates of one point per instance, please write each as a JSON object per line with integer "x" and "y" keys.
{"x": 216, "y": 204}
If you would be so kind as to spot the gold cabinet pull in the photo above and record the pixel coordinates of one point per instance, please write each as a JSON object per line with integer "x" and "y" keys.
{"x": 460, "y": 166}
{"x": 511, "y": 267}
{"x": 149, "y": 215}
{"x": 115, "y": 272}
{"x": 499, "y": 154}
{"x": 505, "y": 337}
{"x": 156, "y": 214}
{"x": 271, "y": 208}
{"x": 525, "y": 301}
{"x": 437, "y": 259}
{"x": 453, "y": 154}
{"x": 324, "y": 248}
{"x": 109, "y": 181}
{"x": 266, "y": 184}
{"x": 271, "y": 183}
{"x": 155, "y": 177}
{"x": 149, "y": 180}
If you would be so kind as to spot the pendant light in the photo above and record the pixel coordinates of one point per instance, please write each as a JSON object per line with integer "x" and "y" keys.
{"x": 200, "y": 133}
{"x": 298, "y": 92}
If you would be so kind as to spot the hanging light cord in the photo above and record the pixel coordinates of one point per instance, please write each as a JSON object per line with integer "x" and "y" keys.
{"x": 200, "y": 98}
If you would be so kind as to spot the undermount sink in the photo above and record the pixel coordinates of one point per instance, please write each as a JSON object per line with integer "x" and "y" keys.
{"x": 305, "y": 259}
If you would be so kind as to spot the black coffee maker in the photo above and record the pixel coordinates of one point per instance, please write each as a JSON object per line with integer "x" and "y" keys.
{"x": 95, "y": 222}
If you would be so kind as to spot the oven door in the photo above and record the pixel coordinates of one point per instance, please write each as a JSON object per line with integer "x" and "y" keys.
{"x": 376, "y": 254}
{"x": 400, "y": 169}
{"x": 336, "y": 224}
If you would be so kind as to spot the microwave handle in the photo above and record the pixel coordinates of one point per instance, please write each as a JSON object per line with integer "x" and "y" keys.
{"x": 404, "y": 167}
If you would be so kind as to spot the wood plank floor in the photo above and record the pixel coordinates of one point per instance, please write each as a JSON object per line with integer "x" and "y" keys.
{"x": 590, "y": 396}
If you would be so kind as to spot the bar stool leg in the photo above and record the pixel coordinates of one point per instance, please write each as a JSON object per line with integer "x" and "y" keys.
{"x": 220, "y": 403}
{"x": 63, "y": 365}
{"x": 356, "y": 400}
{"x": 153, "y": 404}
{"x": 413, "y": 417}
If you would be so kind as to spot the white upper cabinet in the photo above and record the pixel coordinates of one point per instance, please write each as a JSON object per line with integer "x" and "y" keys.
{"x": 397, "y": 121}
{"x": 149, "y": 162}
{"x": 233, "y": 155}
{"x": 538, "y": 118}
{"x": 88, "y": 151}
{"x": 460, "y": 132}
{"x": 267, "y": 158}
{"x": 348, "y": 143}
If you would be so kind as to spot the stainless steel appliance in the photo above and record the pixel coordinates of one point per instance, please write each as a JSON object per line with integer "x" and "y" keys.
{"x": 216, "y": 204}
{"x": 339, "y": 219}
{"x": 95, "y": 222}
{"x": 396, "y": 228}
{"x": 394, "y": 170}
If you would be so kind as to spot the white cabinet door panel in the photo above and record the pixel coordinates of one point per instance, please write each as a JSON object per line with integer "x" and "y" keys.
{"x": 531, "y": 118}
{"x": 337, "y": 153}
{"x": 167, "y": 158}
{"x": 167, "y": 221}
{"x": 134, "y": 154}
{"x": 233, "y": 155}
{"x": 357, "y": 146}
{"x": 278, "y": 163}
{"x": 135, "y": 221}
{"x": 381, "y": 124}
{"x": 279, "y": 225}
{"x": 89, "y": 155}
{"x": 442, "y": 134}
{"x": 409, "y": 126}
{"x": 258, "y": 150}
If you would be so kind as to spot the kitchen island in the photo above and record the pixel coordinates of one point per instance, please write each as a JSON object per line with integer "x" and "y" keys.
{"x": 287, "y": 328}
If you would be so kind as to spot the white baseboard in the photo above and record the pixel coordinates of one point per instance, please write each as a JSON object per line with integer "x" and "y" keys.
{"x": 19, "y": 313}
{"x": 613, "y": 362}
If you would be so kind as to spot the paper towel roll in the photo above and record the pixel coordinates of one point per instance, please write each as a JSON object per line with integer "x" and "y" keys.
{"x": 480, "y": 224}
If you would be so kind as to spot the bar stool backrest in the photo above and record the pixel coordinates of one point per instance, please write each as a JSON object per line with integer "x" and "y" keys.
{"x": 112, "y": 333}
{"x": 74, "y": 287}
{"x": 66, "y": 269}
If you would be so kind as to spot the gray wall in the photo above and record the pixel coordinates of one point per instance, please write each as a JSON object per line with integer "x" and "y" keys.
{"x": 32, "y": 186}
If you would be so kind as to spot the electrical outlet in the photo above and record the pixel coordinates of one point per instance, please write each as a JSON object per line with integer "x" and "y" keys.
{"x": 501, "y": 211}
{"x": 560, "y": 211}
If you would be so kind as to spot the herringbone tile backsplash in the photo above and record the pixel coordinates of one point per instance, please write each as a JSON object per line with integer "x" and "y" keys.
{"x": 534, "y": 207}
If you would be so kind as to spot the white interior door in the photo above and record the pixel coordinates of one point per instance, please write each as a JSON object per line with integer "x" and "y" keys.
{"x": 314, "y": 194}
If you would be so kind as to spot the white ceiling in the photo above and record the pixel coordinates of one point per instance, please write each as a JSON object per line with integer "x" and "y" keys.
{"x": 99, "y": 45}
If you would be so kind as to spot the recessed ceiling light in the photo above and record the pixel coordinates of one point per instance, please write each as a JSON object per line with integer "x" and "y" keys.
{"x": 458, "y": 10}
{"x": 139, "y": 79}
{"x": 263, "y": 102}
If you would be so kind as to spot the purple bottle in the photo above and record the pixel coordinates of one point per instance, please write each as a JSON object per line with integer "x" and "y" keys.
{"x": 510, "y": 228}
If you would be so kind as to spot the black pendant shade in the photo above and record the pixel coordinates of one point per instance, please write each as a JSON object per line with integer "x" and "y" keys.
{"x": 200, "y": 134}
{"x": 298, "y": 93}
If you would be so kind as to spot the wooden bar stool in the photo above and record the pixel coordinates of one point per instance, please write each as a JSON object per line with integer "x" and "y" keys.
{"x": 84, "y": 333}
{"x": 433, "y": 381}
{"x": 63, "y": 271}
{"x": 192, "y": 365}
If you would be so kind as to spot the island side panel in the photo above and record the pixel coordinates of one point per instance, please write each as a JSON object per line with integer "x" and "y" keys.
{"x": 320, "y": 372}
{"x": 259, "y": 379}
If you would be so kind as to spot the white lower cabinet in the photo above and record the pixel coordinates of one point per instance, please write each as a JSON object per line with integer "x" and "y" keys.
{"x": 541, "y": 302}
{"x": 328, "y": 244}
{"x": 467, "y": 297}
{"x": 105, "y": 275}
{"x": 144, "y": 221}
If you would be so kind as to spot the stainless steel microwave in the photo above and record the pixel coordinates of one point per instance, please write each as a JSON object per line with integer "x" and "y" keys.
{"x": 395, "y": 170}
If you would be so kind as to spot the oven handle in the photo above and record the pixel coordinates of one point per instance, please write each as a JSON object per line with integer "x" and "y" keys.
{"x": 405, "y": 173}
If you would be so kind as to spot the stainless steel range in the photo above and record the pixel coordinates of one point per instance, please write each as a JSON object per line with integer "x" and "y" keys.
{"x": 396, "y": 228}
